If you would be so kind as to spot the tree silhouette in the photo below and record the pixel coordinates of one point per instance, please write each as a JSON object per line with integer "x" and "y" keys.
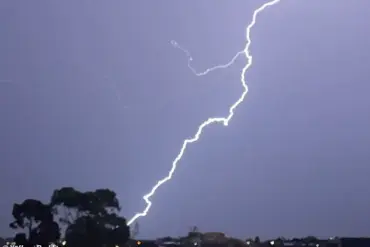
{"x": 257, "y": 240}
{"x": 310, "y": 239}
{"x": 37, "y": 219}
{"x": 90, "y": 219}
{"x": 21, "y": 239}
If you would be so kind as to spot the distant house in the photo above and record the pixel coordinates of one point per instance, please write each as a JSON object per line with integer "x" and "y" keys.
{"x": 219, "y": 239}
{"x": 214, "y": 238}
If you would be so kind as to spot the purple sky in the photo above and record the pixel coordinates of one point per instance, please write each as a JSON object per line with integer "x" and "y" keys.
{"x": 99, "y": 98}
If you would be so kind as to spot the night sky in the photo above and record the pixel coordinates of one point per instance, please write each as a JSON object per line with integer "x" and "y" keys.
{"x": 93, "y": 95}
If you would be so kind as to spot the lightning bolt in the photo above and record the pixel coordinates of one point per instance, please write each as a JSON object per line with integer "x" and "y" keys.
{"x": 224, "y": 120}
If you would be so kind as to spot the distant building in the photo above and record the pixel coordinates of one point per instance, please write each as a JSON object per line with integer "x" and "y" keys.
{"x": 214, "y": 237}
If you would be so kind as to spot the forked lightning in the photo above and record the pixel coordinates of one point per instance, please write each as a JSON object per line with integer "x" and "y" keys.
{"x": 224, "y": 120}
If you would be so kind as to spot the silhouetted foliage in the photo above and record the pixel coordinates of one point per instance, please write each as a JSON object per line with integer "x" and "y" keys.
{"x": 90, "y": 219}
{"x": 21, "y": 239}
{"x": 310, "y": 239}
{"x": 279, "y": 241}
{"x": 257, "y": 240}
{"x": 37, "y": 218}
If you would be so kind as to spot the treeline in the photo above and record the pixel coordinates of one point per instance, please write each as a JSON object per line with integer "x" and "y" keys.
{"x": 83, "y": 218}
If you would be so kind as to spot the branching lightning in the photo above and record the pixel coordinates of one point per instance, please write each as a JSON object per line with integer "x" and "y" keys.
{"x": 224, "y": 120}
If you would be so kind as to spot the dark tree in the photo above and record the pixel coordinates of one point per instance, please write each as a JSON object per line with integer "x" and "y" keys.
{"x": 37, "y": 218}
{"x": 115, "y": 229}
{"x": 68, "y": 204}
{"x": 257, "y": 240}
{"x": 279, "y": 241}
{"x": 310, "y": 240}
{"x": 91, "y": 218}
{"x": 72, "y": 204}
{"x": 21, "y": 239}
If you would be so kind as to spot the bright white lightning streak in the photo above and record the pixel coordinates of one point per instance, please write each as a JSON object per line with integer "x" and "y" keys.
{"x": 224, "y": 120}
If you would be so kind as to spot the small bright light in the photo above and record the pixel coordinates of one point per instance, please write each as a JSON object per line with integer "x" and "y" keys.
{"x": 317, "y": 245}
{"x": 64, "y": 243}
{"x": 138, "y": 242}
{"x": 117, "y": 245}
{"x": 272, "y": 242}
{"x": 248, "y": 242}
